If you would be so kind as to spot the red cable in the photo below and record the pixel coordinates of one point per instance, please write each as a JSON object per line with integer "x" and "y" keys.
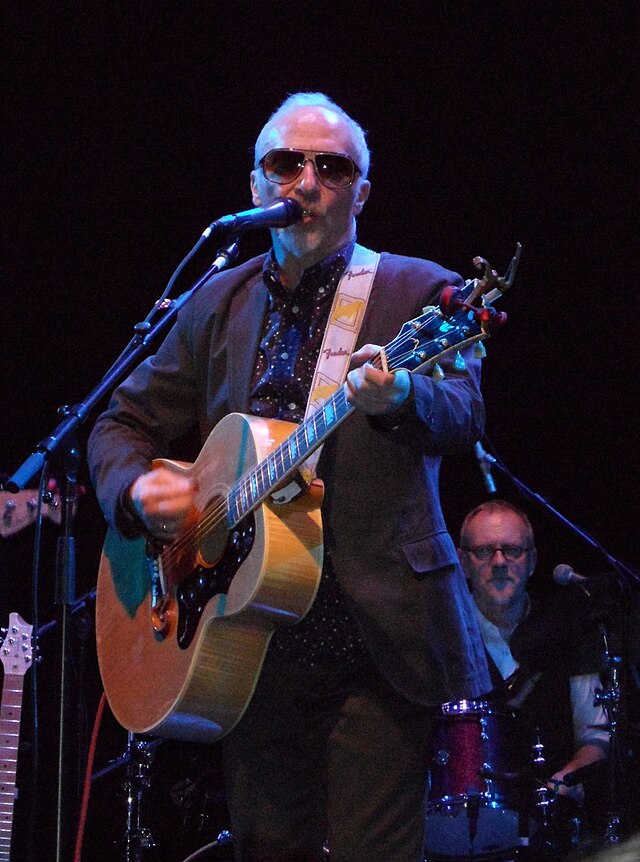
{"x": 87, "y": 780}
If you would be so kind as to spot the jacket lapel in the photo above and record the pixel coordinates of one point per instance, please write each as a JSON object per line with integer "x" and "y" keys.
{"x": 245, "y": 324}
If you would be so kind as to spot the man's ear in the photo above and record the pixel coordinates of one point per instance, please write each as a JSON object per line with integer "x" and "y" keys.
{"x": 463, "y": 560}
{"x": 255, "y": 194}
{"x": 533, "y": 559}
{"x": 361, "y": 198}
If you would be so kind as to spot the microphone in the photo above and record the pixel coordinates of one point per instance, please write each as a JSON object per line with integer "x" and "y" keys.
{"x": 564, "y": 575}
{"x": 280, "y": 213}
{"x": 485, "y": 462}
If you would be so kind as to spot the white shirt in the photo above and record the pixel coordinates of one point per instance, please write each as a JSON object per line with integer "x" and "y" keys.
{"x": 582, "y": 688}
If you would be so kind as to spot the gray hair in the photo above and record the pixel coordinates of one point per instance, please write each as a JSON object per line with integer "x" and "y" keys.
{"x": 495, "y": 506}
{"x": 318, "y": 100}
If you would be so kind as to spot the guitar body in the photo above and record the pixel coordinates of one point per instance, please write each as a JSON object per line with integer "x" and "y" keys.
{"x": 192, "y": 677}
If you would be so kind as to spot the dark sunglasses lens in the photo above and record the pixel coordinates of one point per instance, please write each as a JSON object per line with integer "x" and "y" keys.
{"x": 282, "y": 166}
{"x": 335, "y": 171}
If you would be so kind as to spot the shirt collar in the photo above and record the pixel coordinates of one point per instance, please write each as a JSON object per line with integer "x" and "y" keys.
{"x": 271, "y": 269}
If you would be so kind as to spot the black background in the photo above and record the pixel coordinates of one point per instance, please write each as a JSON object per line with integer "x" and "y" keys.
{"x": 129, "y": 127}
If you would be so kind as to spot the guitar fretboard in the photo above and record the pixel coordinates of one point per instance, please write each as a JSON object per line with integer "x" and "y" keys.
{"x": 10, "y": 714}
{"x": 257, "y": 485}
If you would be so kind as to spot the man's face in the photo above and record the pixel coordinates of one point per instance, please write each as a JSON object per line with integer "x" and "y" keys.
{"x": 328, "y": 221}
{"x": 499, "y": 581}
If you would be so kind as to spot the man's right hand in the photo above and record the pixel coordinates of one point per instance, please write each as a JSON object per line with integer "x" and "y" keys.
{"x": 162, "y": 500}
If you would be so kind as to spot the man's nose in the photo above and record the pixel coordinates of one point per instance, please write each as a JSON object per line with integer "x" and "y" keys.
{"x": 498, "y": 561}
{"x": 308, "y": 179}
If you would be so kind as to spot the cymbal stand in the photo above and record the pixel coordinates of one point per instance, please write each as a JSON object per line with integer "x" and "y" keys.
{"x": 609, "y": 696}
{"x": 137, "y": 838}
{"x": 544, "y": 837}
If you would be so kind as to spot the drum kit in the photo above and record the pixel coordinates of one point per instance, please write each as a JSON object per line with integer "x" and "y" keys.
{"x": 488, "y": 798}
{"x": 485, "y": 800}
{"x": 482, "y": 795}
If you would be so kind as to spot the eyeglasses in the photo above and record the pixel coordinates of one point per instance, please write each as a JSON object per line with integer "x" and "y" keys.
{"x": 487, "y": 552}
{"x": 334, "y": 170}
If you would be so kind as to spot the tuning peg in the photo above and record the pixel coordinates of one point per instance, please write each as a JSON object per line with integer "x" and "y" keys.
{"x": 479, "y": 350}
{"x": 9, "y": 508}
{"x": 490, "y": 318}
{"x": 450, "y": 300}
{"x": 438, "y": 373}
{"x": 458, "y": 363}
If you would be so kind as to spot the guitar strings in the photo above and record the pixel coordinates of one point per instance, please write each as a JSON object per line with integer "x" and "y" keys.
{"x": 213, "y": 516}
{"x": 188, "y": 541}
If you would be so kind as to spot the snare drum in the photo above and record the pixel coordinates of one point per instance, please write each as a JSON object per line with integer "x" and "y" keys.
{"x": 478, "y": 800}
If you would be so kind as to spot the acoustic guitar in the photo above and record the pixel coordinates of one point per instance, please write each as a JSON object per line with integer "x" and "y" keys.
{"x": 182, "y": 629}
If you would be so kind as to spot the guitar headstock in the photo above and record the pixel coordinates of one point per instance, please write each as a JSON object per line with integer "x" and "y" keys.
{"x": 464, "y": 317}
{"x": 16, "y": 651}
{"x": 18, "y": 511}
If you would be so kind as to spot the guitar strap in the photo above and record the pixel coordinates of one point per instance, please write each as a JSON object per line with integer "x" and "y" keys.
{"x": 345, "y": 319}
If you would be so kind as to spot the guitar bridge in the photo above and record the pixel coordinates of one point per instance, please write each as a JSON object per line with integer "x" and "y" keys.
{"x": 163, "y": 606}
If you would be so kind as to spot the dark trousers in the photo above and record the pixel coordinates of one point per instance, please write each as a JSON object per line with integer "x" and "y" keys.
{"x": 322, "y": 755}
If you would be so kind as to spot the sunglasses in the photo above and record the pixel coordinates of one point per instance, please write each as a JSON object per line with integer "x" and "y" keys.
{"x": 334, "y": 170}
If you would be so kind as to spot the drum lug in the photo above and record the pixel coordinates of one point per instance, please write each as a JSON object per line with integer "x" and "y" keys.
{"x": 483, "y": 729}
{"x": 486, "y": 768}
{"x": 442, "y": 757}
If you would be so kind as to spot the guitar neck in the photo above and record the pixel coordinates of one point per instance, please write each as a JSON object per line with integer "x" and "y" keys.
{"x": 256, "y": 485}
{"x": 10, "y": 714}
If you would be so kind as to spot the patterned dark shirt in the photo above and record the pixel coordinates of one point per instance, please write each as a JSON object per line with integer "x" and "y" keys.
{"x": 292, "y": 334}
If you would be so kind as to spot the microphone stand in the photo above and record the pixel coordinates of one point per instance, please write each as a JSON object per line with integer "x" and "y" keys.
{"x": 610, "y": 696}
{"x": 627, "y": 574}
{"x": 62, "y": 443}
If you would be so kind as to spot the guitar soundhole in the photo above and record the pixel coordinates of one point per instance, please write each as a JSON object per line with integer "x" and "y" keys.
{"x": 203, "y": 584}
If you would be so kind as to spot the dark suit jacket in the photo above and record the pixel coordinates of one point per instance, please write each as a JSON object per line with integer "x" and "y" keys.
{"x": 383, "y": 522}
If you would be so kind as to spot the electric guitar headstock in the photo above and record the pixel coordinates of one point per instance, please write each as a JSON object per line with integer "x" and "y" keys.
{"x": 16, "y": 651}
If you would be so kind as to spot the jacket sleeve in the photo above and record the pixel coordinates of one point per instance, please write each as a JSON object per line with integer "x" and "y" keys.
{"x": 440, "y": 415}
{"x": 153, "y": 406}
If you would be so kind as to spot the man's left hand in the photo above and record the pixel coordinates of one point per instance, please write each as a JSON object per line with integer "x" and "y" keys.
{"x": 373, "y": 390}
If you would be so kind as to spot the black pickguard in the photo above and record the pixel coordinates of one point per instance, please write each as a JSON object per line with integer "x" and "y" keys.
{"x": 203, "y": 584}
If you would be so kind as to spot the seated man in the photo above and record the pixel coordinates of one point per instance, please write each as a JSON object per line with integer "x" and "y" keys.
{"x": 537, "y": 650}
